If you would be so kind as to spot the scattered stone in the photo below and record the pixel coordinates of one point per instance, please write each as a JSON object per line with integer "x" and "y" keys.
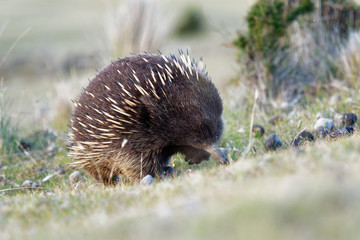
{"x": 275, "y": 119}
{"x": 224, "y": 151}
{"x": 302, "y": 137}
{"x": 75, "y": 177}
{"x": 258, "y": 130}
{"x": 349, "y": 119}
{"x": 273, "y": 142}
{"x": 326, "y": 123}
{"x": 147, "y": 180}
{"x": 24, "y": 145}
{"x": 29, "y": 184}
{"x": 48, "y": 192}
{"x": 60, "y": 170}
{"x": 116, "y": 179}
{"x": 342, "y": 132}
{"x": 168, "y": 171}
{"x": 320, "y": 132}
{"x": 42, "y": 170}
{"x": 95, "y": 185}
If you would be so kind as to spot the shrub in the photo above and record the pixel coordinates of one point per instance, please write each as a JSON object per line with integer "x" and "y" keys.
{"x": 285, "y": 50}
{"x": 267, "y": 22}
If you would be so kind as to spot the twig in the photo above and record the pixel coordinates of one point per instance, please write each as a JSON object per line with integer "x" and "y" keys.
{"x": 19, "y": 188}
{"x": 246, "y": 152}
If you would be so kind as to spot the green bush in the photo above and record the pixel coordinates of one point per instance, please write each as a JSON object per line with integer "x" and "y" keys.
{"x": 267, "y": 23}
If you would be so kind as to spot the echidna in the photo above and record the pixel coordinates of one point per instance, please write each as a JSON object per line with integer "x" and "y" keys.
{"x": 139, "y": 111}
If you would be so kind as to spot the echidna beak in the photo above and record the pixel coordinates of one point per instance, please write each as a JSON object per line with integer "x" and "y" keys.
{"x": 217, "y": 154}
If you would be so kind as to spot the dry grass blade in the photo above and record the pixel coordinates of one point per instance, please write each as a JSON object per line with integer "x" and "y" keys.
{"x": 13, "y": 45}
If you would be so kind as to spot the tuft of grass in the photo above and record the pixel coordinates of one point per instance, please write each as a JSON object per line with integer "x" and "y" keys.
{"x": 135, "y": 27}
{"x": 8, "y": 133}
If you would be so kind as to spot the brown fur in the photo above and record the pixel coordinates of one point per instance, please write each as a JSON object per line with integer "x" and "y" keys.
{"x": 139, "y": 111}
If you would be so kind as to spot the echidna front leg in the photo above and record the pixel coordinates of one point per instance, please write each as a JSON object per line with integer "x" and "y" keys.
{"x": 194, "y": 155}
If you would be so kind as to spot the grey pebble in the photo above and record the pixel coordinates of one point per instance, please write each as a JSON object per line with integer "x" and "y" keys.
{"x": 60, "y": 170}
{"x": 168, "y": 171}
{"x": 341, "y": 132}
{"x": 224, "y": 151}
{"x": 147, "y": 180}
{"x": 273, "y": 142}
{"x": 75, "y": 177}
{"x": 29, "y": 184}
{"x": 302, "y": 137}
{"x": 348, "y": 119}
{"x": 324, "y": 124}
{"x": 258, "y": 130}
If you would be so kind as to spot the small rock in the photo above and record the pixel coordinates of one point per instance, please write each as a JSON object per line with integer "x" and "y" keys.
{"x": 258, "y": 130}
{"x": 116, "y": 179}
{"x": 147, "y": 180}
{"x": 320, "y": 132}
{"x": 326, "y": 123}
{"x": 75, "y": 177}
{"x": 48, "y": 192}
{"x": 60, "y": 170}
{"x": 168, "y": 171}
{"x": 348, "y": 119}
{"x": 302, "y": 137}
{"x": 273, "y": 142}
{"x": 30, "y": 184}
{"x": 224, "y": 151}
{"x": 95, "y": 185}
{"x": 24, "y": 145}
{"x": 42, "y": 170}
{"x": 341, "y": 132}
{"x": 275, "y": 119}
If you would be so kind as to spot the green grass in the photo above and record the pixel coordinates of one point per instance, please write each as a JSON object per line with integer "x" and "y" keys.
{"x": 289, "y": 194}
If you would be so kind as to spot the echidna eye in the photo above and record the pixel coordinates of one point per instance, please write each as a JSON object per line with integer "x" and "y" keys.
{"x": 198, "y": 140}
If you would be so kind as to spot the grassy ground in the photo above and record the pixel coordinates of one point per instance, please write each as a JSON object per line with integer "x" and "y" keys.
{"x": 311, "y": 193}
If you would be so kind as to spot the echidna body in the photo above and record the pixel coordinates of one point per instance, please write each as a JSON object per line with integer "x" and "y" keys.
{"x": 139, "y": 111}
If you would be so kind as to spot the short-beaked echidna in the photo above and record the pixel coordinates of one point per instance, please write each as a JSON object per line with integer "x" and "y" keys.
{"x": 139, "y": 111}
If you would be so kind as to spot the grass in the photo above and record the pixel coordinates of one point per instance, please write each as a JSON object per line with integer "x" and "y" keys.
{"x": 311, "y": 193}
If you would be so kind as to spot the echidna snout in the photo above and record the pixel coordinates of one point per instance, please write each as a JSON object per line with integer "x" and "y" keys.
{"x": 139, "y": 111}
